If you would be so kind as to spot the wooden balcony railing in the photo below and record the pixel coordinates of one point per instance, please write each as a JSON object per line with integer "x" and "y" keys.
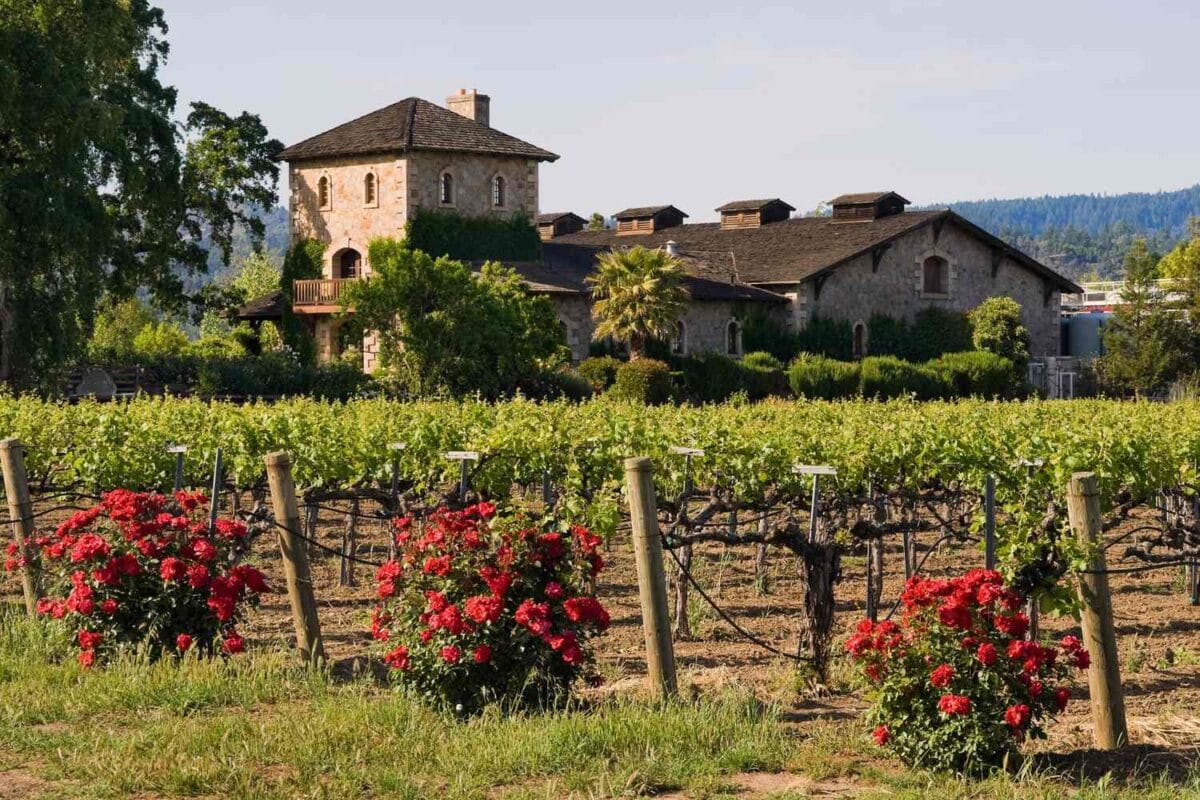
{"x": 320, "y": 292}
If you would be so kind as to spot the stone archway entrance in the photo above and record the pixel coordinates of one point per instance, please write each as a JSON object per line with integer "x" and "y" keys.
{"x": 347, "y": 264}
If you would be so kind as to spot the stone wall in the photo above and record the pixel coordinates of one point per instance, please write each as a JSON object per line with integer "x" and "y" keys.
{"x": 348, "y": 221}
{"x": 574, "y": 314}
{"x": 472, "y": 174}
{"x": 855, "y": 291}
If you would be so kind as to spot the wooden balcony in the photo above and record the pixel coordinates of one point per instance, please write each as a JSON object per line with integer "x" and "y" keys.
{"x": 320, "y": 296}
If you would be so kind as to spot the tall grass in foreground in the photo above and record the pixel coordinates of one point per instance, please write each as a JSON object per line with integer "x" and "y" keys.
{"x": 254, "y": 727}
{"x": 258, "y": 726}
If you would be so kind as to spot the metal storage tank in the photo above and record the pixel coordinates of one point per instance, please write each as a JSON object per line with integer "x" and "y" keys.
{"x": 1084, "y": 333}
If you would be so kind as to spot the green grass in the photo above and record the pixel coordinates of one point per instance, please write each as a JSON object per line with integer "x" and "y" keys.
{"x": 256, "y": 727}
{"x": 259, "y": 726}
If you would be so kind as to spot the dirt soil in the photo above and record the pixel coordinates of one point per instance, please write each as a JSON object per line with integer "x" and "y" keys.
{"x": 1158, "y": 633}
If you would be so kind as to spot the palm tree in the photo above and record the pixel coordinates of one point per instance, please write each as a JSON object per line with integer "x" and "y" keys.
{"x": 638, "y": 296}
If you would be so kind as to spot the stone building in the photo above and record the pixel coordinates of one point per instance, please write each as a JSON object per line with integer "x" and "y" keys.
{"x": 368, "y": 177}
{"x": 868, "y": 257}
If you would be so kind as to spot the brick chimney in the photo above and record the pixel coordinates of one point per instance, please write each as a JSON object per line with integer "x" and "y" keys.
{"x": 472, "y": 105}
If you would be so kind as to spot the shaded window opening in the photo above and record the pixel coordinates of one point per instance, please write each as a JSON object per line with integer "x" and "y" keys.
{"x": 349, "y": 264}
{"x": 733, "y": 336}
{"x": 936, "y": 274}
{"x": 369, "y": 189}
{"x": 498, "y": 191}
{"x": 860, "y": 340}
{"x": 447, "y": 190}
{"x": 323, "y": 192}
{"x": 679, "y": 339}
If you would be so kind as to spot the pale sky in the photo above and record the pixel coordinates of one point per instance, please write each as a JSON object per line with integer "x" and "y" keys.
{"x": 700, "y": 103}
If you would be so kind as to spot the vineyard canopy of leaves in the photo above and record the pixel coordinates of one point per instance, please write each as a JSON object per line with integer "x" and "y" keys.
{"x": 1140, "y": 446}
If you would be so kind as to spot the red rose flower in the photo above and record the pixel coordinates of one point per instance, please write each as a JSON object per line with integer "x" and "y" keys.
{"x": 483, "y": 654}
{"x": 108, "y": 606}
{"x": 233, "y": 643}
{"x": 397, "y": 658}
{"x": 1017, "y": 716}
{"x": 954, "y": 704}
{"x": 451, "y": 654}
{"x": 987, "y": 654}
{"x": 182, "y": 642}
{"x": 881, "y": 735}
{"x": 942, "y": 676}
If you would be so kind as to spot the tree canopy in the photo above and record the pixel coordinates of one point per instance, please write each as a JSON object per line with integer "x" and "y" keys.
{"x": 102, "y": 189}
{"x": 638, "y": 296}
{"x": 444, "y": 329}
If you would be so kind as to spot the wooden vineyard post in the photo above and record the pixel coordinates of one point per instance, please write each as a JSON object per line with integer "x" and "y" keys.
{"x": 1104, "y": 673}
{"x": 349, "y": 545}
{"x": 295, "y": 559}
{"x": 652, "y": 584}
{"x": 20, "y": 510}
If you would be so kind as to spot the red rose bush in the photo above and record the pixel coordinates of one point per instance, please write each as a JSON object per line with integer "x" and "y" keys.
{"x": 475, "y": 609}
{"x": 143, "y": 569}
{"x": 955, "y": 684}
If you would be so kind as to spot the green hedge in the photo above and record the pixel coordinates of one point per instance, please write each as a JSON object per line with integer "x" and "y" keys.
{"x": 966, "y": 374}
{"x": 822, "y": 378}
{"x": 643, "y": 381}
{"x": 978, "y": 373}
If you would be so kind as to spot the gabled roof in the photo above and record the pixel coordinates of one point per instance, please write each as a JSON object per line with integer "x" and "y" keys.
{"x": 565, "y": 268}
{"x": 269, "y": 306}
{"x": 646, "y": 211}
{"x": 555, "y": 216}
{"x": 753, "y": 205}
{"x": 794, "y": 250}
{"x": 412, "y": 124}
{"x": 865, "y": 198}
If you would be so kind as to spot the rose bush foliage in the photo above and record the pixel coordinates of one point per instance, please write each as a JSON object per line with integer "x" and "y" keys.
{"x": 475, "y": 609}
{"x": 955, "y": 684}
{"x": 144, "y": 569}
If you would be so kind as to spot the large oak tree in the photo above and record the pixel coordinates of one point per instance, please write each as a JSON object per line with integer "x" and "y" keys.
{"x": 102, "y": 188}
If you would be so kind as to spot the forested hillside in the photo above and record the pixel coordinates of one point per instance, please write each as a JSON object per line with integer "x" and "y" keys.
{"x": 1087, "y": 236}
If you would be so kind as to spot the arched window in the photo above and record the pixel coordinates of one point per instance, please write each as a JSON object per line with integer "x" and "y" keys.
{"x": 323, "y": 192}
{"x": 679, "y": 339}
{"x": 348, "y": 264}
{"x": 369, "y": 189}
{"x": 733, "y": 338}
{"x": 446, "y": 191}
{"x": 498, "y": 188}
{"x": 936, "y": 278}
{"x": 860, "y": 340}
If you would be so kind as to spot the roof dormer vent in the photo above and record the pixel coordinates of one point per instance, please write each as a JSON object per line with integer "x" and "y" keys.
{"x": 558, "y": 223}
{"x": 866, "y": 206}
{"x": 648, "y": 219}
{"x": 753, "y": 213}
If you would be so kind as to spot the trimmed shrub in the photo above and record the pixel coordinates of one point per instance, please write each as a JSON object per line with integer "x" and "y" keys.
{"x": 996, "y": 326}
{"x": 599, "y": 371}
{"x": 978, "y": 373}
{"x": 643, "y": 381}
{"x": 709, "y": 377}
{"x": 822, "y": 378}
{"x": 887, "y": 376}
{"x": 761, "y": 360}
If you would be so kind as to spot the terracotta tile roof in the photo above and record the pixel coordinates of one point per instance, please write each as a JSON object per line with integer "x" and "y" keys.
{"x": 412, "y": 124}
{"x": 754, "y": 205}
{"x": 792, "y": 250}
{"x": 645, "y": 211}
{"x": 862, "y": 198}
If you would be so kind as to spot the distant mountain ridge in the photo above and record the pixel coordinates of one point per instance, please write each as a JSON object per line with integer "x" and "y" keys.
{"x": 1151, "y": 212}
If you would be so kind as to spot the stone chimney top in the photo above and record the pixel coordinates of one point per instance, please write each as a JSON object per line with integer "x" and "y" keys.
{"x": 472, "y": 105}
